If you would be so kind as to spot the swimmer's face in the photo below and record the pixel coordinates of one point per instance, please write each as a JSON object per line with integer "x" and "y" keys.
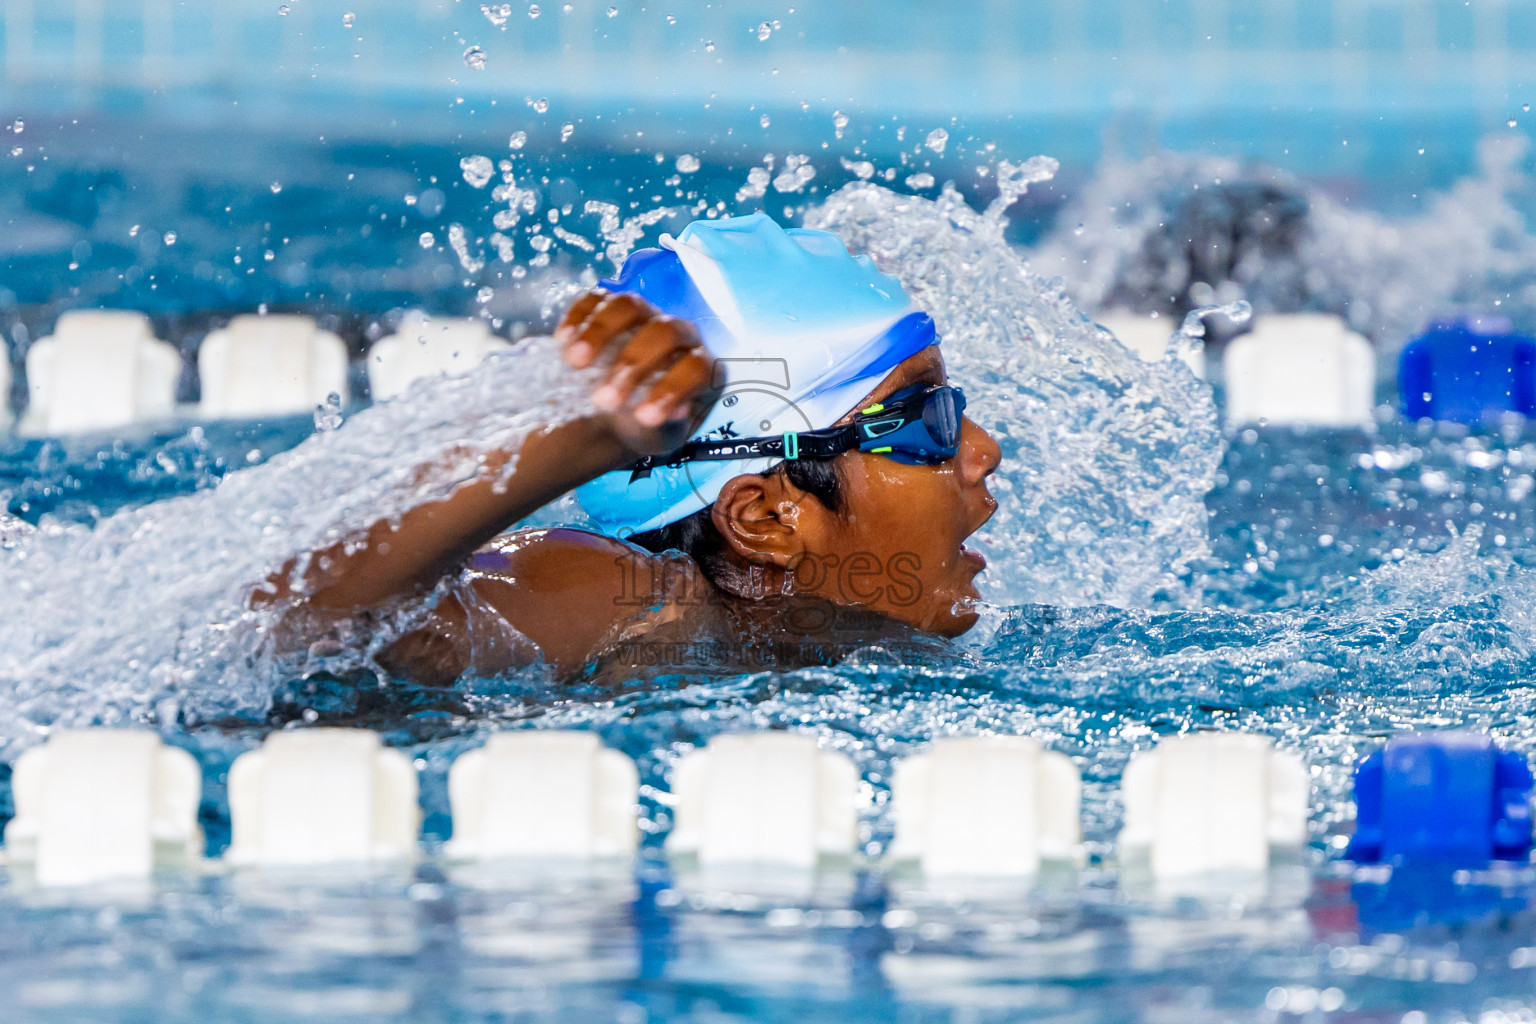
{"x": 898, "y": 544}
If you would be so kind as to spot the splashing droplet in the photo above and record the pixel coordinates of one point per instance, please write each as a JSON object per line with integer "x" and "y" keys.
{"x": 687, "y": 163}
{"x": 474, "y": 58}
{"x": 861, "y": 169}
{"x": 613, "y": 12}
{"x": 839, "y": 122}
{"x": 276, "y": 187}
{"x": 937, "y": 140}
{"x": 18, "y": 126}
{"x": 797, "y": 173}
{"x": 170, "y": 238}
{"x": 349, "y": 19}
{"x": 763, "y": 120}
{"x": 328, "y": 413}
{"x": 540, "y": 105}
{"x": 282, "y": 10}
{"x": 533, "y": 11}
{"x": 764, "y": 30}
{"x": 709, "y": 46}
{"x": 566, "y": 130}
{"x": 426, "y": 241}
{"x": 496, "y": 14}
{"x": 477, "y": 170}
{"x": 518, "y": 140}
{"x": 921, "y": 180}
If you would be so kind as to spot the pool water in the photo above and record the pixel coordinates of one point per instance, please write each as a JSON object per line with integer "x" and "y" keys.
{"x": 1327, "y": 589}
{"x": 1413, "y": 614}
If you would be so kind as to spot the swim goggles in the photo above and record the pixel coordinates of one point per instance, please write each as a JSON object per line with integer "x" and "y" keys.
{"x": 918, "y": 425}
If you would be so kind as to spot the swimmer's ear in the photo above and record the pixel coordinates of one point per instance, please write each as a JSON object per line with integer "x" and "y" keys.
{"x": 761, "y": 517}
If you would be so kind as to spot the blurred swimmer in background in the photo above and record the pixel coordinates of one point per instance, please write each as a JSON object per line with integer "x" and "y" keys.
{"x": 781, "y": 468}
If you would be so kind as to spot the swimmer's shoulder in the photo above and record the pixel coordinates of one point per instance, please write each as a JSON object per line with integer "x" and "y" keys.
{"x": 565, "y": 558}
{"x": 574, "y": 592}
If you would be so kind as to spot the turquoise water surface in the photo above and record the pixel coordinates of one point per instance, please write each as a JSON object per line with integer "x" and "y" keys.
{"x": 1151, "y": 574}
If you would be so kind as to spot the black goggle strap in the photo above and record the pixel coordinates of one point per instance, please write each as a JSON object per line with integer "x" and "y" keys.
{"x": 807, "y": 444}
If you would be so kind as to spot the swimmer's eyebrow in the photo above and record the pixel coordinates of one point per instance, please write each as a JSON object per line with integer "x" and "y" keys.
{"x": 932, "y": 373}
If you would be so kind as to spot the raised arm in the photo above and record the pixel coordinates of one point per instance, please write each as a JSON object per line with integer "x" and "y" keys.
{"x": 656, "y": 391}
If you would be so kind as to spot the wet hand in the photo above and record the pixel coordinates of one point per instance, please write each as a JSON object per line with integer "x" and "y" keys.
{"x": 660, "y": 381}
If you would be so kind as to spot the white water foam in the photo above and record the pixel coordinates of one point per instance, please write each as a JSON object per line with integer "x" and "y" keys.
{"x": 145, "y": 616}
{"x": 1287, "y": 246}
{"x": 1106, "y": 458}
{"x": 111, "y": 623}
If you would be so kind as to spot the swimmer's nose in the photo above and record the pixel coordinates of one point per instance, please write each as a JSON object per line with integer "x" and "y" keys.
{"x": 979, "y": 452}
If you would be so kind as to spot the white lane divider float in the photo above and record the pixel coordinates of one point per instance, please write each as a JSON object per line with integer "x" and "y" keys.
{"x": 986, "y": 806}
{"x": 1212, "y": 802}
{"x": 100, "y": 369}
{"x": 544, "y": 794}
{"x": 269, "y": 366}
{"x": 425, "y": 346}
{"x": 1148, "y": 336}
{"x": 99, "y": 804}
{"x": 94, "y": 805}
{"x": 322, "y": 796}
{"x": 1300, "y": 369}
{"x": 770, "y": 798}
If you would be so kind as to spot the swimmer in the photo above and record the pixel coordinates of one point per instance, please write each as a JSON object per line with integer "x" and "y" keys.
{"x": 779, "y": 463}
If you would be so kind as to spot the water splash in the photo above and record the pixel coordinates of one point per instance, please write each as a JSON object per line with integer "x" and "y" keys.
{"x": 797, "y": 173}
{"x": 328, "y": 413}
{"x": 1106, "y": 458}
{"x": 1285, "y": 246}
{"x": 477, "y": 170}
{"x": 458, "y": 240}
{"x": 621, "y": 235}
{"x": 13, "y": 530}
{"x": 1109, "y": 461}
{"x": 108, "y": 624}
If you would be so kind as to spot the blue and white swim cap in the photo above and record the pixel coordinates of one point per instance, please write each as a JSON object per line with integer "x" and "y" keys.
{"x": 801, "y": 331}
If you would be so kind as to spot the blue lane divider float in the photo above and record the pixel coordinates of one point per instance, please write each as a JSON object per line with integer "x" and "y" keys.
{"x": 1468, "y": 370}
{"x": 1445, "y": 798}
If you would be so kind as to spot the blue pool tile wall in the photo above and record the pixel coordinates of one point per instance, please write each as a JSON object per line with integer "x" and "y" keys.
{"x": 993, "y": 56}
